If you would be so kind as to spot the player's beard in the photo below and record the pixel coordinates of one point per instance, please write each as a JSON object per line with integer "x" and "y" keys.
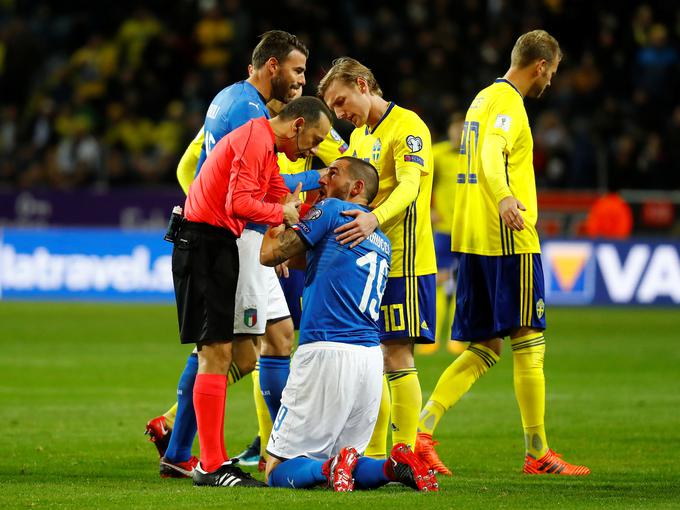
{"x": 341, "y": 193}
{"x": 281, "y": 90}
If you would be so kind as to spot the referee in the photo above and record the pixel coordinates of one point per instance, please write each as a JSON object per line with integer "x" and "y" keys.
{"x": 238, "y": 183}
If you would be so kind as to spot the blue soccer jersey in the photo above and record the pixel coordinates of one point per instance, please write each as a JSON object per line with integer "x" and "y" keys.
{"x": 343, "y": 286}
{"x": 232, "y": 107}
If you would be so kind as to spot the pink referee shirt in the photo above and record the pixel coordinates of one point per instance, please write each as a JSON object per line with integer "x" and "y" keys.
{"x": 240, "y": 171}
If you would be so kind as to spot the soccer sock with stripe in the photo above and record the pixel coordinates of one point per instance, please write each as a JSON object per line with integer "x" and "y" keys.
{"x": 297, "y": 473}
{"x": 264, "y": 421}
{"x": 455, "y": 382}
{"x": 234, "y": 374}
{"x": 210, "y": 395}
{"x": 184, "y": 430}
{"x": 170, "y": 415}
{"x": 528, "y": 354}
{"x": 370, "y": 473}
{"x": 377, "y": 446}
{"x": 274, "y": 372}
{"x": 407, "y": 400}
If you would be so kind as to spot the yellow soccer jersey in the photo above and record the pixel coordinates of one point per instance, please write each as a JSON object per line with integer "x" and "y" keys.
{"x": 399, "y": 146}
{"x": 477, "y": 227}
{"x": 445, "y": 158}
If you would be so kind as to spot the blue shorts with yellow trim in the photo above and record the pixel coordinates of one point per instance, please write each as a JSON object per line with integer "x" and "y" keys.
{"x": 408, "y": 309}
{"x": 496, "y": 295}
{"x": 292, "y": 290}
{"x": 442, "y": 249}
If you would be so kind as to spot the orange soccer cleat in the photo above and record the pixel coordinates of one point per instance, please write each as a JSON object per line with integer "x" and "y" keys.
{"x": 426, "y": 452}
{"x": 552, "y": 464}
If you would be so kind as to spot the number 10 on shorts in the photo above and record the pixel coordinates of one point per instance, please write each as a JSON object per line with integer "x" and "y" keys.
{"x": 393, "y": 316}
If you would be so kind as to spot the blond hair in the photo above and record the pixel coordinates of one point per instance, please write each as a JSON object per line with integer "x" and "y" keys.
{"x": 535, "y": 45}
{"x": 347, "y": 70}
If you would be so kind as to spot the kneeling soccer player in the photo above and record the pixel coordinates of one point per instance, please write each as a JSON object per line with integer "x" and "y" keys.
{"x": 331, "y": 401}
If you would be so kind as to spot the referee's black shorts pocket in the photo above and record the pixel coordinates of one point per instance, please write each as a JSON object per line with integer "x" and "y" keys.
{"x": 182, "y": 253}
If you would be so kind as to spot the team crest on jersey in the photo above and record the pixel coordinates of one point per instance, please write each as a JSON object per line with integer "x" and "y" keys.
{"x": 313, "y": 214}
{"x": 415, "y": 143}
{"x": 377, "y": 147}
{"x": 250, "y": 317}
{"x": 540, "y": 308}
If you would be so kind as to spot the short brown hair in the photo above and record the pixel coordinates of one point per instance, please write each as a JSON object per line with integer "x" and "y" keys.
{"x": 535, "y": 45}
{"x": 360, "y": 169}
{"x": 309, "y": 108}
{"x": 277, "y": 44}
{"x": 347, "y": 70}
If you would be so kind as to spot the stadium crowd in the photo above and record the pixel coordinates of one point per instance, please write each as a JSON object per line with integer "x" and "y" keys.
{"x": 110, "y": 97}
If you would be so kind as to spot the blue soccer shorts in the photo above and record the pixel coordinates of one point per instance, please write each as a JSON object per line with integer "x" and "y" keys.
{"x": 408, "y": 309}
{"x": 496, "y": 295}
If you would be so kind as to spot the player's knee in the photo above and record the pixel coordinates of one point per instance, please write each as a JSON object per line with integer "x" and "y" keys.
{"x": 244, "y": 355}
{"x": 495, "y": 345}
{"x": 214, "y": 358}
{"x": 279, "y": 338}
{"x": 398, "y": 355}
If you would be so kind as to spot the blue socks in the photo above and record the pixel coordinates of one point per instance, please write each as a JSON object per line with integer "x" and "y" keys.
{"x": 301, "y": 473}
{"x": 297, "y": 473}
{"x": 274, "y": 372}
{"x": 369, "y": 473}
{"x": 184, "y": 431}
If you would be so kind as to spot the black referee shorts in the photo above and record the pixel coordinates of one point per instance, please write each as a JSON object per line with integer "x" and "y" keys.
{"x": 205, "y": 272}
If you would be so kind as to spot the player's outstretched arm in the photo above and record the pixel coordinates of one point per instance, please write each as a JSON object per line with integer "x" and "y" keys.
{"x": 362, "y": 226}
{"x": 280, "y": 244}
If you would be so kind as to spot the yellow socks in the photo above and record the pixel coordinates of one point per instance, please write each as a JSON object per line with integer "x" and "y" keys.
{"x": 407, "y": 400}
{"x": 377, "y": 447}
{"x": 455, "y": 382}
{"x": 528, "y": 353}
{"x": 264, "y": 421}
{"x": 170, "y": 416}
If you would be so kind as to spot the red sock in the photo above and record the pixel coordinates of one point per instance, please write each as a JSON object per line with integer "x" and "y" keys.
{"x": 210, "y": 395}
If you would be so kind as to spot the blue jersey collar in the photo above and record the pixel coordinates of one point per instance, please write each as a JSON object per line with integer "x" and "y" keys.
{"x": 503, "y": 80}
{"x": 262, "y": 98}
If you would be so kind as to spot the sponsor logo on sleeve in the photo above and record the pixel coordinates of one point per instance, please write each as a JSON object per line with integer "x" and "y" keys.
{"x": 412, "y": 158}
{"x": 301, "y": 226}
{"x": 503, "y": 122}
{"x": 415, "y": 143}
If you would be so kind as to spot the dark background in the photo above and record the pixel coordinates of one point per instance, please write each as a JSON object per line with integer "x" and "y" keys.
{"x": 108, "y": 94}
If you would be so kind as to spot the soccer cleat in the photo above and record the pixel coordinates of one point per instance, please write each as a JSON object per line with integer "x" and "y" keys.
{"x": 159, "y": 434}
{"x": 251, "y": 455}
{"x": 428, "y": 455}
{"x": 169, "y": 469}
{"x": 552, "y": 464}
{"x": 227, "y": 475}
{"x": 338, "y": 470}
{"x": 405, "y": 467}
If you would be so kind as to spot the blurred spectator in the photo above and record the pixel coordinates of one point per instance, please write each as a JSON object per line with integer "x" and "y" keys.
{"x": 610, "y": 218}
{"x": 140, "y": 77}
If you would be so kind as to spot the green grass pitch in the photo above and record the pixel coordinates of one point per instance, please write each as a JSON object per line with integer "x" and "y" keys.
{"x": 79, "y": 381}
